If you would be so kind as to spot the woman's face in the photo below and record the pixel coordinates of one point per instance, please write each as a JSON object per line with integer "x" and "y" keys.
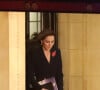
{"x": 48, "y": 42}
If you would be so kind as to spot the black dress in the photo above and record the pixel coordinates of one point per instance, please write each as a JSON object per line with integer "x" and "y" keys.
{"x": 38, "y": 68}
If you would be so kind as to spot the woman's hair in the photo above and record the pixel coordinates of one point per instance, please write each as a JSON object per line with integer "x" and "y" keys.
{"x": 37, "y": 37}
{"x": 43, "y": 34}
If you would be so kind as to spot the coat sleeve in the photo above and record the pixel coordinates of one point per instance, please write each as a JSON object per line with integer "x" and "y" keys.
{"x": 59, "y": 75}
{"x": 31, "y": 83}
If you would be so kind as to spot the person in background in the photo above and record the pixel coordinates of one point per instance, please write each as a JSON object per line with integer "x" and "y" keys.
{"x": 44, "y": 64}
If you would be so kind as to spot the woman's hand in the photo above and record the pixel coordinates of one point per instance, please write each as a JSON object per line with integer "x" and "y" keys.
{"x": 44, "y": 89}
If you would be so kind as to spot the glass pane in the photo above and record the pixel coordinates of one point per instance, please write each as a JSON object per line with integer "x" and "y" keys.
{"x": 39, "y": 27}
{"x": 33, "y": 16}
{"x": 33, "y": 28}
{"x": 38, "y": 16}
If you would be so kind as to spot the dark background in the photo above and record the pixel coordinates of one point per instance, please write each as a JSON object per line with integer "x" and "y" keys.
{"x": 75, "y": 1}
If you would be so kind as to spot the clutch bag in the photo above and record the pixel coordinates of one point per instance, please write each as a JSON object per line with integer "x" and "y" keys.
{"x": 49, "y": 83}
{"x": 48, "y": 86}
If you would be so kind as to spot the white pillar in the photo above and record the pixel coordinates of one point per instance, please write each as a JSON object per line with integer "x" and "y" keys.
{"x": 16, "y": 50}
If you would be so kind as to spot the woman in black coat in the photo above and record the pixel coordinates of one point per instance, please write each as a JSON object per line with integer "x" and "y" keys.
{"x": 44, "y": 65}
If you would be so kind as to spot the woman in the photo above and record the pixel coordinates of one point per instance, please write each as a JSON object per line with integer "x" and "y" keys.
{"x": 44, "y": 66}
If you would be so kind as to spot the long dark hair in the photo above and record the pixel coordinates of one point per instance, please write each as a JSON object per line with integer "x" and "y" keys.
{"x": 35, "y": 42}
{"x": 43, "y": 34}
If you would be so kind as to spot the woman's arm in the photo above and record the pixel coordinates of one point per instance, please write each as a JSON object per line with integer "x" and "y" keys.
{"x": 31, "y": 83}
{"x": 59, "y": 75}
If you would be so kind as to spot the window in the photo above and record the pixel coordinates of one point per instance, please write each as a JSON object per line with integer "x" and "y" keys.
{"x": 33, "y": 23}
{"x": 37, "y": 21}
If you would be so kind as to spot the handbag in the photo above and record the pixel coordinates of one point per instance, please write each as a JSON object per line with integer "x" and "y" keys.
{"x": 48, "y": 86}
{"x": 48, "y": 83}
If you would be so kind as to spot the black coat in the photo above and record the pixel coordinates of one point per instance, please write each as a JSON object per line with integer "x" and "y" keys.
{"x": 38, "y": 68}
